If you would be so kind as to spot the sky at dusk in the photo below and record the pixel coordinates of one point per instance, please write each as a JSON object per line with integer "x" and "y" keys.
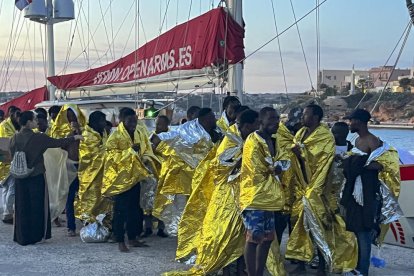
{"x": 360, "y": 32}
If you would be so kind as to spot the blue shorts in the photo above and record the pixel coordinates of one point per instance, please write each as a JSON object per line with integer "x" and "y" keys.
{"x": 260, "y": 225}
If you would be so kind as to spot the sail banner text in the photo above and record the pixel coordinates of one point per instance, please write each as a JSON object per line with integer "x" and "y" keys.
{"x": 196, "y": 44}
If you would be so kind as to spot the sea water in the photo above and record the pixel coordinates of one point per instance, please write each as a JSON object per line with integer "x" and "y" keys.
{"x": 399, "y": 138}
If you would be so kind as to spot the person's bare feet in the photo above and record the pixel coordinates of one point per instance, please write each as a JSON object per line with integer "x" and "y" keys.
{"x": 57, "y": 222}
{"x": 122, "y": 247}
{"x": 136, "y": 243}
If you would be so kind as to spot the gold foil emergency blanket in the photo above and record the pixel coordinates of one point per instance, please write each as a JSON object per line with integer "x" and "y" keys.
{"x": 259, "y": 188}
{"x": 7, "y": 130}
{"x": 387, "y": 156}
{"x": 318, "y": 151}
{"x": 60, "y": 127}
{"x": 90, "y": 171}
{"x": 284, "y": 140}
{"x": 343, "y": 243}
{"x": 195, "y": 210}
{"x": 223, "y": 122}
{"x": 124, "y": 166}
{"x": 221, "y": 238}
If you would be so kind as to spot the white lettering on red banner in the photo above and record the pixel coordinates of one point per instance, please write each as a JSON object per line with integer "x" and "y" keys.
{"x": 155, "y": 65}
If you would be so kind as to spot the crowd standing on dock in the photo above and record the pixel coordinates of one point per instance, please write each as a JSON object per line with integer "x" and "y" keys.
{"x": 228, "y": 189}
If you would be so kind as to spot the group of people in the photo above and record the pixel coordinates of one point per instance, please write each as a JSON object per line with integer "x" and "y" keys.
{"x": 228, "y": 188}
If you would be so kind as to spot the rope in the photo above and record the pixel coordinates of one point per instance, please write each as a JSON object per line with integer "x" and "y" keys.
{"x": 106, "y": 31}
{"x": 388, "y": 59}
{"x": 318, "y": 48}
{"x": 300, "y": 39}
{"x": 280, "y": 50}
{"x": 252, "y": 53}
{"x": 393, "y": 68}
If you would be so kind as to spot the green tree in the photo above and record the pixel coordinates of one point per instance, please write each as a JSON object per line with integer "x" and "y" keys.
{"x": 404, "y": 83}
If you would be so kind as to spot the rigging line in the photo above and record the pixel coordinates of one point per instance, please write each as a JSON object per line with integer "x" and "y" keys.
{"x": 71, "y": 38}
{"x": 158, "y": 39}
{"x": 106, "y": 31}
{"x": 393, "y": 68}
{"x": 16, "y": 41}
{"x": 184, "y": 42}
{"x": 43, "y": 53}
{"x": 224, "y": 76}
{"x": 301, "y": 43}
{"x": 280, "y": 49}
{"x": 91, "y": 38}
{"x": 81, "y": 36}
{"x": 112, "y": 27}
{"x": 386, "y": 62}
{"x": 252, "y": 53}
{"x": 318, "y": 48}
{"x": 136, "y": 42}
{"x": 117, "y": 33}
{"x": 8, "y": 49}
{"x": 127, "y": 40}
{"x": 176, "y": 15}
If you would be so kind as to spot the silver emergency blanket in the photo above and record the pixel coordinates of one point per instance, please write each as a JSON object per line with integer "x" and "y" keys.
{"x": 390, "y": 210}
{"x": 311, "y": 225}
{"x": 147, "y": 195}
{"x": 183, "y": 140}
{"x": 95, "y": 232}
{"x": 172, "y": 213}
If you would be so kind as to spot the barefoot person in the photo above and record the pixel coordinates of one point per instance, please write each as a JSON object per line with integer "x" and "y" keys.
{"x": 32, "y": 208}
{"x": 123, "y": 171}
{"x": 260, "y": 191}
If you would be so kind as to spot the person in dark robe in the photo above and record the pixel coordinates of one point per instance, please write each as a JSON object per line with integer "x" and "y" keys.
{"x": 32, "y": 214}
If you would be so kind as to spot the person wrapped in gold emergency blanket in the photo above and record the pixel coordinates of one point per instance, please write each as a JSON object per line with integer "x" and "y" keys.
{"x": 231, "y": 105}
{"x": 261, "y": 195}
{"x": 91, "y": 169}
{"x": 315, "y": 222}
{"x": 62, "y": 165}
{"x": 127, "y": 162}
{"x": 190, "y": 143}
{"x": 221, "y": 240}
{"x": 8, "y": 128}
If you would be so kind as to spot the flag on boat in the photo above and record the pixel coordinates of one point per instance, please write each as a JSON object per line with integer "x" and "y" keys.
{"x": 21, "y": 4}
{"x": 28, "y": 100}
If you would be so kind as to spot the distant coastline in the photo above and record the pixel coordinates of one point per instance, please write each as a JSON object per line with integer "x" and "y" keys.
{"x": 393, "y": 126}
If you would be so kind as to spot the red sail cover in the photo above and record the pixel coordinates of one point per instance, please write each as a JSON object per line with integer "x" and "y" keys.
{"x": 28, "y": 100}
{"x": 196, "y": 44}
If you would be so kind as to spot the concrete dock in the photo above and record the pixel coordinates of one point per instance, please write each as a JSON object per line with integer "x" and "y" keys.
{"x": 70, "y": 256}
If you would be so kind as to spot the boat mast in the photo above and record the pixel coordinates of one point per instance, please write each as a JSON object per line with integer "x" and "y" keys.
{"x": 50, "y": 12}
{"x": 50, "y": 49}
{"x": 235, "y": 75}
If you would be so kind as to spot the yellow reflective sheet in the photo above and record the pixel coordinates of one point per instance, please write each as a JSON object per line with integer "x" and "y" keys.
{"x": 284, "y": 142}
{"x": 90, "y": 172}
{"x": 60, "y": 127}
{"x": 390, "y": 175}
{"x": 343, "y": 243}
{"x": 124, "y": 167}
{"x": 194, "y": 212}
{"x": 318, "y": 150}
{"x": 222, "y": 123}
{"x": 259, "y": 188}
{"x": 221, "y": 240}
{"x": 7, "y": 130}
